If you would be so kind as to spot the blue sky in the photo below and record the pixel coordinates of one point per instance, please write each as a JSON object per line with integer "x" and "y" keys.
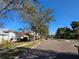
{"x": 65, "y": 11}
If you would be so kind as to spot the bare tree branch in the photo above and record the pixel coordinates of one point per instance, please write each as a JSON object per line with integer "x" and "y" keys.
{"x": 6, "y": 6}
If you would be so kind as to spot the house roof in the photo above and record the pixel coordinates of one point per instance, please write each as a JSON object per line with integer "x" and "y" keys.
{"x": 5, "y": 31}
{"x": 2, "y": 33}
{"x": 23, "y": 33}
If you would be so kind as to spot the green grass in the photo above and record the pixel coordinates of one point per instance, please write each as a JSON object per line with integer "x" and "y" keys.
{"x": 6, "y": 44}
{"x": 17, "y": 51}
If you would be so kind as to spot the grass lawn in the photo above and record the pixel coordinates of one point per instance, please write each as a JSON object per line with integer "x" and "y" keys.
{"x": 5, "y": 44}
{"x": 10, "y": 54}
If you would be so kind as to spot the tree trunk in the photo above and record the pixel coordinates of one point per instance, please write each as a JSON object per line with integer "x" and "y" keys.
{"x": 41, "y": 38}
{"x": 33, "y": 37}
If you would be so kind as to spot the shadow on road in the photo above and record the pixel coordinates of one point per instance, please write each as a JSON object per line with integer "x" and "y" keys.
{"x": 27, "y": 53}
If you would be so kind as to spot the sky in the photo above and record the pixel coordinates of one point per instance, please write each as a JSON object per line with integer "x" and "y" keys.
{"x": 65, "y": 11}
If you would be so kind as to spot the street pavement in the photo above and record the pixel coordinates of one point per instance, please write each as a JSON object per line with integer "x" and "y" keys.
{"x": 58, "y": 46}
{"x": 52, "y": 49}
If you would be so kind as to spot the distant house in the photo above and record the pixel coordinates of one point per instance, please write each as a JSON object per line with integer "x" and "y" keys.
{"x": 5, "y": 34}
{"x": 27, "y": 35}
{"x": 23, "y": 35}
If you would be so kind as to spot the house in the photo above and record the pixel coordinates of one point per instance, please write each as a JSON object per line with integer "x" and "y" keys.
{"x": 23, "y": 36}
{"x": 11, "y": 35}
{"x": 5, "y": 34}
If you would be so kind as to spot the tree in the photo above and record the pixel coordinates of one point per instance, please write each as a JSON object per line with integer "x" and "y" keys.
{"x": 29, "y": 12}
{"x": 63, "y": 33}
{"x": 60, "y": 32}
{"x": 67, "y": 33}
{"x": 20, "y": 5}
{"x": 17, "y": 5}
{"x": 75, "y": 27}
{"x": 39, "y": 21}
{"x": 45, "y": 17}
{"x": 74, "y": 24}
{"x": 24, "y": 7}
{"x": 43, "y": 30}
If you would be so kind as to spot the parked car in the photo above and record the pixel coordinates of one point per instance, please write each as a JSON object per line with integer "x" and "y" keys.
{"x": 18, "y": 39}
{"x": 25, "y": 38}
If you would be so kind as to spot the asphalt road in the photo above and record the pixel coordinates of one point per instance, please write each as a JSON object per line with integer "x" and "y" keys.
{"x": 58, "y": 46}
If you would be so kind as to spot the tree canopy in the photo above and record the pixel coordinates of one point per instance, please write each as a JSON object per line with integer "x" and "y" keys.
{"x": 74, "y": 24}
{"x": 21, "y": 5}
{"x": 67, "y": 33}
